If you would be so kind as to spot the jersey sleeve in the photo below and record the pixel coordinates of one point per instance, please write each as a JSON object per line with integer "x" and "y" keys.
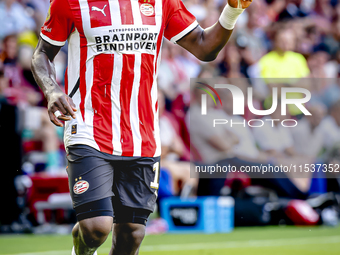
{"x": 58, "y": 24}
{"x": 179, "y": 21}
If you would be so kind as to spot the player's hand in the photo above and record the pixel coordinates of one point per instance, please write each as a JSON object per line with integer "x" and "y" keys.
{"x": 59, "y": 101}
{"x": 244, "y": 3}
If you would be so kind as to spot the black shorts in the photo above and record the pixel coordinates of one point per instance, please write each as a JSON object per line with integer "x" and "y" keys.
{"x": 107, "y": 185}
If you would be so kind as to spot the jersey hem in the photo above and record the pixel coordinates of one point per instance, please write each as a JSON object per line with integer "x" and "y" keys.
{"x": 180, "y": 35}
{"x": 53, "y": 42}
{"x": 114, "y": 154}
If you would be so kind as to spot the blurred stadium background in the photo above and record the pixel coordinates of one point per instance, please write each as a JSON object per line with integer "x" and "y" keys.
{"x": 273, "y": 38}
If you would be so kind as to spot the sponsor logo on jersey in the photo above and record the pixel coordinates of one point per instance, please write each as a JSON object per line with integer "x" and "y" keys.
{"x": 147, "y": 9}
{"x": 95, "y": 8}
{"x": 135, "y": 39}
{"x": 45, "y": 28}
{"x": 80, "y": 187}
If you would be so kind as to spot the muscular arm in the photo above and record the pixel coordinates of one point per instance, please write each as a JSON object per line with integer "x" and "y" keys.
{"x": 44, "y": 74}
{"x": 205, "y": 44}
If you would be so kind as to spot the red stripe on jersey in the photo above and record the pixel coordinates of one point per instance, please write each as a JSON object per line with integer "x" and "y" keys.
{"x": 101, "y": 101}
{"x": 147, "y": 11}
{"x": 75, "y": 8}
{"x": 66, "y": 82}
{"x": 99, "y": 13}
{"x": 145, "y": 109}
{"x": 82, "y": 84}
{"x": 126, "y": 84}
{"x": 156, "y": 106}
{"x": 126, "y": 12}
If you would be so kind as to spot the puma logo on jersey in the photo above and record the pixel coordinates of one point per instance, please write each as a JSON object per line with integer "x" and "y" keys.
{"x": 94, "y": 8}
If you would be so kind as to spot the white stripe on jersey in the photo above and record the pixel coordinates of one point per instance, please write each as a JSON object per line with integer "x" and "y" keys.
{"x": 73, "y": 66}
{"x": 89, "y": 111}
{"x": 115, "y": 98}
{"x": 115, "y": 14}
{"x": 158, "y": 13}
{"x": 134, "y": 116}
{"x": 85, "y": 17}
{"x": 137, "y": 18}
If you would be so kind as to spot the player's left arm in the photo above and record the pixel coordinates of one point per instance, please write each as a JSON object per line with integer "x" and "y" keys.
{"x": 205, "y": 44}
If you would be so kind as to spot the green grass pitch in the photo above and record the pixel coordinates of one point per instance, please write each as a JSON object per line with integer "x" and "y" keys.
{"x": 242, "y": 241}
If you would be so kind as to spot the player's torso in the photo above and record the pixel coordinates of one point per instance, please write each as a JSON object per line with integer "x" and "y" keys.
{"x": 115, "y": 52}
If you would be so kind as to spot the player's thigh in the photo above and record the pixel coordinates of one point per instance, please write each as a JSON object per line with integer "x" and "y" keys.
{"x": 136, "y": 184}
{"x": 90, "y": 180}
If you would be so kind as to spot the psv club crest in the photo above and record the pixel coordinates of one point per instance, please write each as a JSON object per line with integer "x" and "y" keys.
{"x": 147, "y": 9}
{"x": 80, "y": 187}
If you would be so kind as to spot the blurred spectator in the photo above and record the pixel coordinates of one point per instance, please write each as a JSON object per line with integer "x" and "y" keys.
{"x": 252, "y": 38}
{"x": 20, "y": 91}
{"x": 172, "y": 150}
{"x": 273, "y": 138}
{"x": 295, "y": 9}
{"x": 37, "y": 127}
{"x": 40, "y": 8}
{"x": 319, "y": 64}
{"x": 9, "y": 58}
{"x": 331, "y": 94}
{"x": 175, "y": 71}
{"x": 308, "y": 135}
{"x": 246, "y": 149}
{"x": 14, "y": 18}
{"x": 212, "y": 143}
{"x": 331, "y": 126}
{"x": 277, "y": 141}
{"x": 172, "y": 144}
{"x": 283, "y": 62}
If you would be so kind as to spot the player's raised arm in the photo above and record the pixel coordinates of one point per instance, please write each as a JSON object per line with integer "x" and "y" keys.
{"x": 205, "y": 44}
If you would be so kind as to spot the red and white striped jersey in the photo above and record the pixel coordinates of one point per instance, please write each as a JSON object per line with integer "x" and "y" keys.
{"x": 114, "y": 47}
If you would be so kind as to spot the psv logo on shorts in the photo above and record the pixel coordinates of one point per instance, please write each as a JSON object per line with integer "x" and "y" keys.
{"x": 80, "y": 187}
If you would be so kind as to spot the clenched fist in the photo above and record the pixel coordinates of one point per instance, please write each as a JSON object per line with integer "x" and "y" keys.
{"x": 239, "y": 3}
